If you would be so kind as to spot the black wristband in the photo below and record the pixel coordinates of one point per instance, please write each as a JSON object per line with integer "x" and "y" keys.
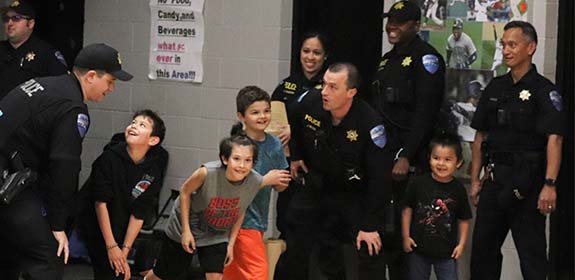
{"x": 549, "y": 182}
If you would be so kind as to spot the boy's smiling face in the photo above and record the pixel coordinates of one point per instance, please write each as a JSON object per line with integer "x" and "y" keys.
{"x": 443, "y": 162}
{"x": 257, "y": 116}
{"x": 240, "y": 162}
{"x": 139, "y": 132}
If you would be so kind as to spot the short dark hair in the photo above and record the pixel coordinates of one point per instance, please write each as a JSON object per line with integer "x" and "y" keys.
{"x": 240, "y": 139}
{"x": 248, "y": 95}
{"x": 445, "y": 138}
{"x": 158, "y": 126}
{"x": 353, "y": 78}
{"x": 526, "y": 27}
{"x": 323, "y": 40}
{"x": 82, "y": 71}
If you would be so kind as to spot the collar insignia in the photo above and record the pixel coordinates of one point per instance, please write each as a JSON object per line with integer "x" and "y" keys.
{"x": 524, "y": 95}
{"x": 352, "y": 135}
{"x": 406, "y": 61}
{"x": 30, "y": 56}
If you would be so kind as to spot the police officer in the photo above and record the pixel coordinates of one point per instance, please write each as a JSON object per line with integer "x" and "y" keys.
{"x": 44, "y": 121}
{"x": 23, "y": 56}
{"x": 338, "y": 141}
{"x": 291, "y": 223}
{"x": 407, "y": 91}
{"x": 520, "y": 122}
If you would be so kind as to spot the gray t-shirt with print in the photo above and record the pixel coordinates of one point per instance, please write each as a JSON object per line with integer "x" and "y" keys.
{"x": 215, "y": 206}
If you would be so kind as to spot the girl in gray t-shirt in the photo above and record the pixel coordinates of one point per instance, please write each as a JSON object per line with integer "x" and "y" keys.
{"x": 210, "y": 210}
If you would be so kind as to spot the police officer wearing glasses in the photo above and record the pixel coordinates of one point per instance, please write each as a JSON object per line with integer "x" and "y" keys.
{"x": 520, "y": 122}
{"x": 407, "y": 91}
{"x": 42, "y": 124}
{"x": 23, "y": 56}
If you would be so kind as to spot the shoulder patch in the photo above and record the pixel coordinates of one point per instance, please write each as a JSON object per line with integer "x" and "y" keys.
{"x": 60, "y": 57}
{"x": 378, "y": 136}
{"x": 430, "y": 63}
{"x": 556, "y": 100}
{"x": 83, "y": 122}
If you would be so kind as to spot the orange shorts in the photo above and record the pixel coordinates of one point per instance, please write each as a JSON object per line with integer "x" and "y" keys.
{"x": 250, "y": 261}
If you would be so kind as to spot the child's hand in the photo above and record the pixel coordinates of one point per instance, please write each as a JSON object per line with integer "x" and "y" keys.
{"x": 117, "y": 261}
{"x": 188, "y": 242}
{"x": 277, "y": 177}
{"x": 408, "y": 244}
{"x": 458, "y": 251}
{"x": 229, "y": 255}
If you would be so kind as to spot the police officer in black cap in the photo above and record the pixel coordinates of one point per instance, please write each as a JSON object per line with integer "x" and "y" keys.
{"x": 407, "y": 91}
{"x": 520, "y": 124}
{"x": 23, "y": 56}
{"x": 338, "y": 141}
{"x": 42, "y": 124}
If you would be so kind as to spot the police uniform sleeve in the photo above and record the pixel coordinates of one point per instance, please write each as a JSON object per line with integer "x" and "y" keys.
{"x": 56, "y": 64}
{"x": 64, "y": 167}
{"x": 296, "y": 124}
{"x": 277, "y": 94}
{"x": 429, "y": 87}
{"x": 551, "y": 114}
{"x": 377, "y": 159}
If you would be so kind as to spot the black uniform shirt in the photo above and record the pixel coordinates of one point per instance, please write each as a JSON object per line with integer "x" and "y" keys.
{"x": 408, "y": 90}
{"x": 519, "y": 116}
{"x": 34, "y": 58}
{"x": 291, "y": 88}
{"x": 45, "y": 119}
{"x": 358, "y": 140}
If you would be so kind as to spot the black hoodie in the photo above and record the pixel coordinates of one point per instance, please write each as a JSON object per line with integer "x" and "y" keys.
{"x": 126, "y": 187}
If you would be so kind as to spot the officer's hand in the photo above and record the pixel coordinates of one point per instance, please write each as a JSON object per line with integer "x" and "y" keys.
{"x": 188, "y": 242}
{"x": 285, "y": 134}
{"x": 371, "y": 239}
{"x": 547, "y": 200}
{"x": 295, "y": 165}
{"x": 62, "y": 239}
{"x": 408, "y": 244}
{"x": 400, "y": 169}
{"x": 474, "y": 192}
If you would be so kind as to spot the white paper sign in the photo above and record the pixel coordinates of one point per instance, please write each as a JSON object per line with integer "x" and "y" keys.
{"x": 176, "y": 40}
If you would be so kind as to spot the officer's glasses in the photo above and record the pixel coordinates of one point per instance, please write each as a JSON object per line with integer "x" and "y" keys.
{"x": 14, "y": 18}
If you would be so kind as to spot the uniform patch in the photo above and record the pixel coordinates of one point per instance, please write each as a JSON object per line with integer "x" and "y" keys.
{"x": 378, "y": 136}
{"x": 555, "y": 97}
{"x": 60, "y": 57}
{"x": 83, "y": 122}
{"x": 430, "y": 63}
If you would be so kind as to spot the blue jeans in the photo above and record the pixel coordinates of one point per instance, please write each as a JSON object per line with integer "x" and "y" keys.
{"x": 420, "y": 267}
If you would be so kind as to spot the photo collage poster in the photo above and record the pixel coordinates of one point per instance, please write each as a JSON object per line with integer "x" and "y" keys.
{"x": 467, "y": 34}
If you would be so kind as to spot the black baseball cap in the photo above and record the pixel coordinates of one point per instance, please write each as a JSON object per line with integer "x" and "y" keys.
{"x": 403, "y": 11}
{"x": 102, "y": 57}
{"x": 21, "y": 7}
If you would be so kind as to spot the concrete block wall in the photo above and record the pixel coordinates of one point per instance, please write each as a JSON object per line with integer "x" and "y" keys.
{"x": 247, "y": 42}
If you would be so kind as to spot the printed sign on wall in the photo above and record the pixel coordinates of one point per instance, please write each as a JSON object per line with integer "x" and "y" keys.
{"x": 176, "y": 40}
